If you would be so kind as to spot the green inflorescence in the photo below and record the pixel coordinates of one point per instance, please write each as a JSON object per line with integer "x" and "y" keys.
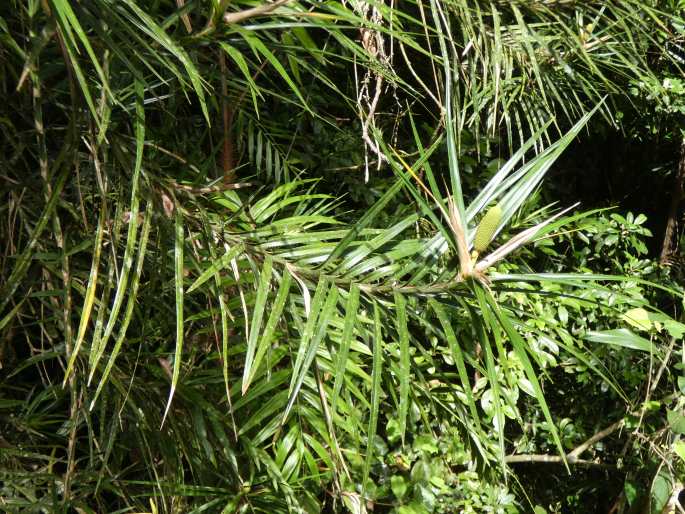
{"x": 486, "y": 228}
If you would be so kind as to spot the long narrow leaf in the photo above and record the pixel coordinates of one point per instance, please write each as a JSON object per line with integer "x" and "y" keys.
{"x": 258, "y": 310}
{"x": 376, "y": 372}
{"x": 132, "y": 235}
{"x": 132, "y": 298}
{"x": 403, "y": 332}
{"x": 178, "y": 283}
{"x": 89, "y": 299}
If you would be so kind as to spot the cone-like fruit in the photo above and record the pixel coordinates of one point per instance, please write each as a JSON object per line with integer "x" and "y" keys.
{"x": 486, "y": 228}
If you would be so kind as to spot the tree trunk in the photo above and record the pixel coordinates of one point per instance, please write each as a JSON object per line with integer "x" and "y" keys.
{"x": 668, "y": 246}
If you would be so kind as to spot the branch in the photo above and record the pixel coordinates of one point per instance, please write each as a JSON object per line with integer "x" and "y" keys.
{"x": 572, "y": 456}
{"x": 237, "y": 17}
{"x": 597, "y": 437}
{"x": 210, "y": 189}
{"x": 550, "y": 459}
{"x": 673, "y": 502}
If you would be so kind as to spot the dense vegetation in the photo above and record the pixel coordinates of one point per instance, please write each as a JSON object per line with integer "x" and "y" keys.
{"x": 416, "y": 257}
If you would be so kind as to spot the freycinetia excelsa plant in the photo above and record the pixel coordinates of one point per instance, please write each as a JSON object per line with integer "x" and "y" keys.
{"x": 182, "y": 333}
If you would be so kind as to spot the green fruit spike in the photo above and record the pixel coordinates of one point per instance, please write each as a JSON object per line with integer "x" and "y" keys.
{"x": 486, "y": 228}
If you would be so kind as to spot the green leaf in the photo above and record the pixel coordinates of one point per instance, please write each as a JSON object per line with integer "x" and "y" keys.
{"x": 426, "y": 444}
{"x": 99, "y": 345}
{"x": 130, "y": 304}
{"x": 376, "y": 371}
{"x": 366, "y": 219}
{"x": 89, "y": 298}
{"x": 674, "y": 328}
{"x": 676, "y": 421}
{"x": 224, "y": 312}
{"x": 5, "y": 320}
{"x": 258, "y": 314}
{"x": 620, "y": 337}
{"x": 458, "y": 357}
{"x": 242, "y": 66}
{"x": 67, "y": 22}
{"x": 638, "y": 318}
{"x": 259, "y": 47}
{"x": 310, "y": 341}
{"x": 308, "y": 44}
{"x": 217, "y": 265}
{"x": 679, "y": 449}
{"x": 351, "y": 308}
{"x": 630, "y": 491}
{"x": 178, "y": 283}
{"x": 161, "y": 38}
{"x": 661, "y": 490}
{"x": 23, "y": 262}
{"x": 401, "y": 322}
{"x": 520, "y": 350}
{"x": 398, "y": 486}
{"x": 267, "y": 336}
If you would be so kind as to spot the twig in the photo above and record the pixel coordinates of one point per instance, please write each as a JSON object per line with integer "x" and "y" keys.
{"x": 369, "y": 119}
{"x": 260, "y": 10}
{"x": 45, "y": 36}
{"x": 663, "y": 366}
{"x": 427, "y": 90}
{"x": 184, "y": 17}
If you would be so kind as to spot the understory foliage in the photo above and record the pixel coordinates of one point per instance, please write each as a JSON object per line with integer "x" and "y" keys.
{"x": 238, "y": 270}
